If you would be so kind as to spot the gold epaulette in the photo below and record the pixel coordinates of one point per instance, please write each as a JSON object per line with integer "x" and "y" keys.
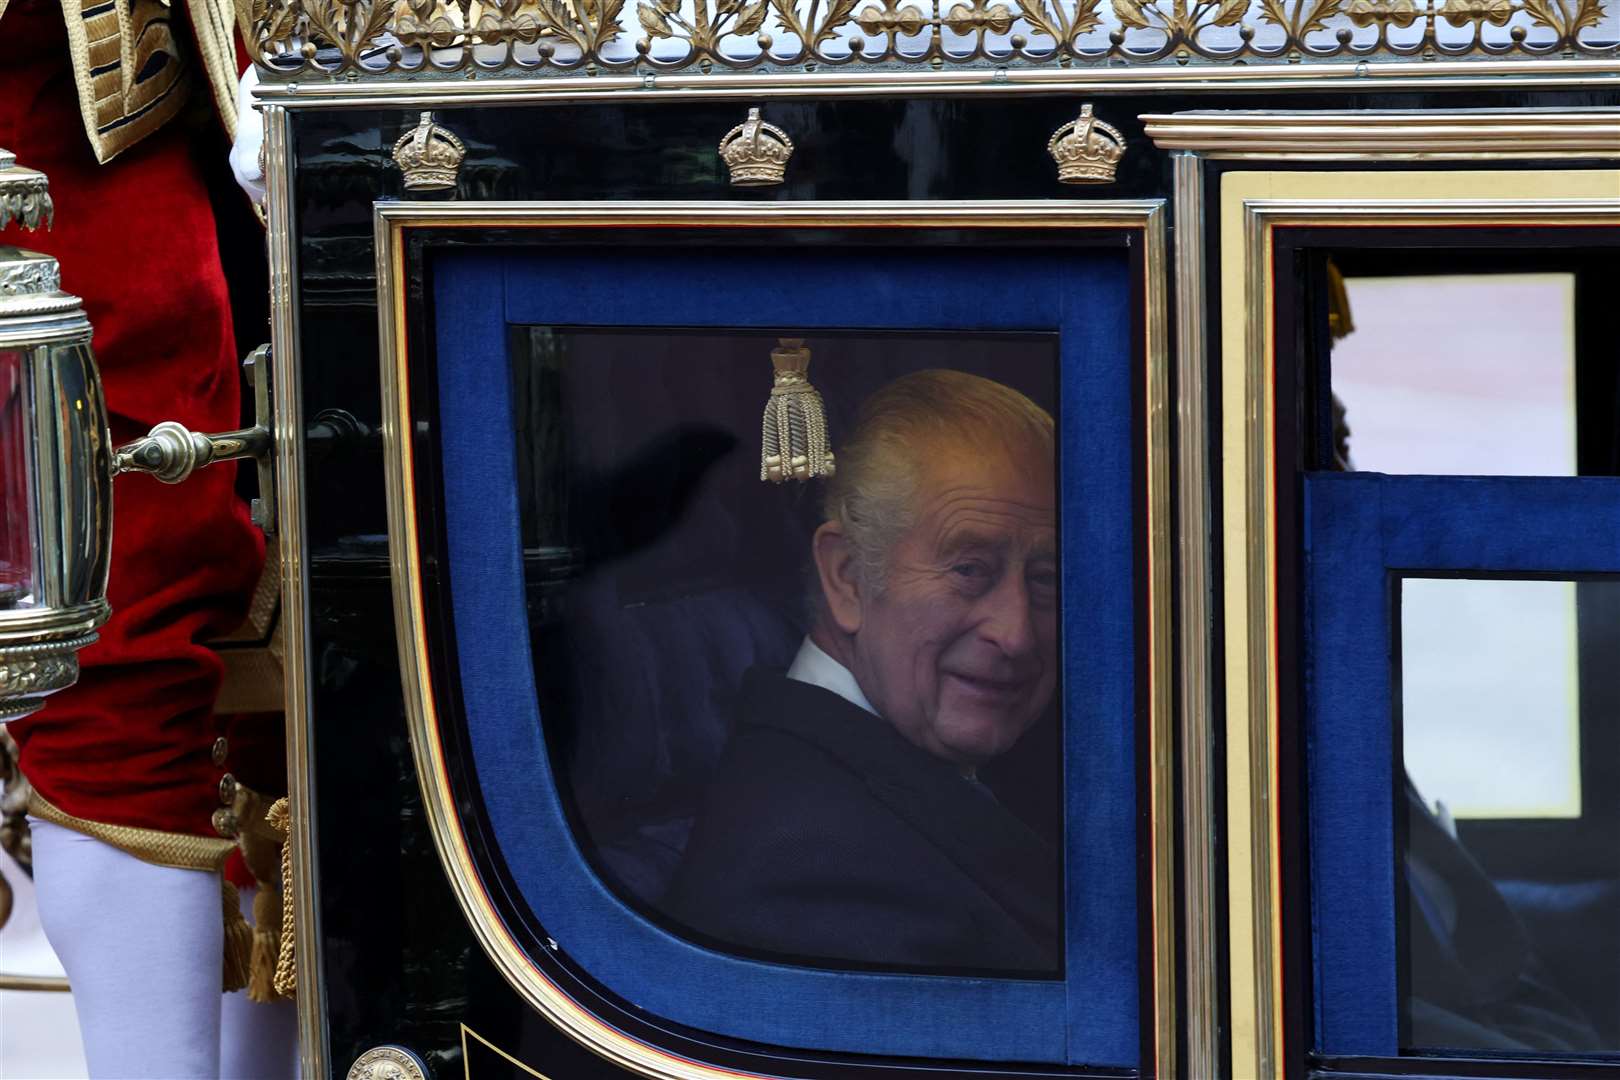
{"x": 131, "y": 71}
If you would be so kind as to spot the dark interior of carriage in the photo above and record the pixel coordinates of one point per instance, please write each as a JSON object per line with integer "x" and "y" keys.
{"x": 661, "y": 568}
{"x": 1544, "y": 878}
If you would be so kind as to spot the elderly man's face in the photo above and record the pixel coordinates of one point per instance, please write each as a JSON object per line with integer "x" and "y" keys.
{"x": 959, "y": 649}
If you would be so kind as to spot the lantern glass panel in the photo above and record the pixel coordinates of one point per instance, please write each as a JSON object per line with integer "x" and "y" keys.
{"x": 18, "y": 574}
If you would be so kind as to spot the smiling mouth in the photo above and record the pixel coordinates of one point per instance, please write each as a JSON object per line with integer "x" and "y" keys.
{"x": 1000, "y": 688}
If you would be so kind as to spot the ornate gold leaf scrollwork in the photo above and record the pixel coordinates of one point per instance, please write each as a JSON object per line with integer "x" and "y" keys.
{"x": 378, "y": 36}
{"x": 1462, "y": 12}
{"x": 1302, "y": 18}
{"x": 893, "y": 19}
{"x": 1567, "y": 18}
{"x": 702, "y": 23}
{"x": 1399, "y": 13}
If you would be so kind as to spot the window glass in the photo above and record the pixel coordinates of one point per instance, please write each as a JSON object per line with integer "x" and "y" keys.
{"x": 1489, "y": 696}
{"x": 1459, "y": 374}
{"x": 1510, "y": 911}
{"x": 811, "y": 720}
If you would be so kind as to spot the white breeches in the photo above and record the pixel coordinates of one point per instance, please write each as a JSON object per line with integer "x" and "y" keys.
{"x": 142, "y": 946}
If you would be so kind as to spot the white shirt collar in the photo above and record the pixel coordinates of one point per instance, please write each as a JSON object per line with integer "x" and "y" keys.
{"x": 812, "y": 665}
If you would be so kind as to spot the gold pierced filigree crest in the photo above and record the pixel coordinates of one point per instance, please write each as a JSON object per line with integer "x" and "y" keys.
{"x": 1086, "y": 149}
{"x": 429, "y": 156}
{"x": 448, "y": 37}
{"x": 756, "y": 152}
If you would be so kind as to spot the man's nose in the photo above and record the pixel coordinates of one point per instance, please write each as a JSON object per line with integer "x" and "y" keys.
{"x": 1009, "y": 622}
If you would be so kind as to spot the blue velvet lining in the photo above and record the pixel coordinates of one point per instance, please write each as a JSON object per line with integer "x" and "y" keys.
{"x": 1361, "y": 530}
{"x": 1091, "y": 1016}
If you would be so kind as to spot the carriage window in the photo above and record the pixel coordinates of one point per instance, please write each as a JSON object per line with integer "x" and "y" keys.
{"x": 1465, "y": 374}
{"x": 1511, "y": 911}
{"x": 801, "y": 688}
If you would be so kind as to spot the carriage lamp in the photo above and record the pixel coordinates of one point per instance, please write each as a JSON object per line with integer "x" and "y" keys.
{"x": 57, "y": 462}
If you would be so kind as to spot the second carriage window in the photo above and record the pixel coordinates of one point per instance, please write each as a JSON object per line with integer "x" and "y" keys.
{"x": 1511, "y": 884}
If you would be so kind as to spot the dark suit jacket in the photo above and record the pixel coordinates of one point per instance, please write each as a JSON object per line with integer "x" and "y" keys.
{"x": 1476, "y": 982}
{"x": 827, "y": 836}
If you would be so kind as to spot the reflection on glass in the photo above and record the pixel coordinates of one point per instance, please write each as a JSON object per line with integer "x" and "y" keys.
{"x": 1489, "y": 699}
{"x": 810, "y": 721}
{"x": 1509, "y": 808}
{"x": 16, "y": 536}
{"x": 1460, "y": 375}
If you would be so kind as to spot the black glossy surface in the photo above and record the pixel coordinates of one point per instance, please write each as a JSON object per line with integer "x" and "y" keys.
{"x": 398, "y": 964}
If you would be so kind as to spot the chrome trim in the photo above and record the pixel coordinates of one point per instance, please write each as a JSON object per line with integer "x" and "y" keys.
{"x": 1161, "y": 650}
{"x": 392, "y": 219}
{"x": 317, "y": 91}
{"x": 289, "y": 452}
{"x": 1391, "y": 135}
{"x": 1199, "y": 814}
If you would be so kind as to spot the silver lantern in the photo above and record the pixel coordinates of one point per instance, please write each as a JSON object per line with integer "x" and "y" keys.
{"x": 57, "y": 462}
{"x": 55, "y": 465}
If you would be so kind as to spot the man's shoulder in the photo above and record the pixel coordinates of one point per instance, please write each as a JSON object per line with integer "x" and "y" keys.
{"x": 791, "y": 756}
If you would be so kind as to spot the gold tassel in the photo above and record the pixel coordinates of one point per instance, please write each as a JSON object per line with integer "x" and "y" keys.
{"x": 795, "y": 437}
{"x": 286, "y": 977}
{"x": 238, "y": 938}
{"x": 266, "y": 943}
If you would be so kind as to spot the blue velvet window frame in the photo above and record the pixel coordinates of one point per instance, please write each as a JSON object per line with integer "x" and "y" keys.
{"x": 1085, "y": 295}
{"x": 1363, "y": 529}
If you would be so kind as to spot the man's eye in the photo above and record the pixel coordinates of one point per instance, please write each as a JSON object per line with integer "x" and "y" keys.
{"x": 1043, "y": 585}
{"x": 971, "y": 571}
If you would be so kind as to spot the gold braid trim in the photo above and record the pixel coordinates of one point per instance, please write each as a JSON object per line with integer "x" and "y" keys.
{"x": 286, "y": 980}
{"x": 181, "y": 851}
{"x": 132, "y": 74}
{"x": 213, "y": 23}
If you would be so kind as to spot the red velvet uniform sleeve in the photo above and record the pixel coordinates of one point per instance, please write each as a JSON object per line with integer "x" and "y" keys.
{"x": 134, "y": 742}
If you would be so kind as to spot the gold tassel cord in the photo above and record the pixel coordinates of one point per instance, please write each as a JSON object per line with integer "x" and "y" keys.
{"x": 794, "y": 442}
{"x": 286, "y": 977}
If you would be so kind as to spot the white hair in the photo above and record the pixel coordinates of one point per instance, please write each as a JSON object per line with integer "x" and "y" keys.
{"x": 872, "y": 495}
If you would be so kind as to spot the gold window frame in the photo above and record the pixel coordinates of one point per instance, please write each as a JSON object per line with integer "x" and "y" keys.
{"x": 1252, "y": 205}
{"x": 1145, "y": 219}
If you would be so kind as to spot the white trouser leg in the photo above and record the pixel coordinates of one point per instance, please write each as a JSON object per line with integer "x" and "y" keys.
{"x": 142, "y": 946}
{"x": 258, "y": 1040}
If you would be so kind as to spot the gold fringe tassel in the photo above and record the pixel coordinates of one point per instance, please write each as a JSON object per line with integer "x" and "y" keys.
{"x": 793, "y": 443}
{"x": 267, "y": 913}
{"x": 285, "y": 981}
{"x": 238, "y": 938}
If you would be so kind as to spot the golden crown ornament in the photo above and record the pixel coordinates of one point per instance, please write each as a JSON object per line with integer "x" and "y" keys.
{"x": 1086, "y": 149}
{"x": 429, "y": 156}
{"x": 756, "y": 152}
{"x": 795, "y": 441}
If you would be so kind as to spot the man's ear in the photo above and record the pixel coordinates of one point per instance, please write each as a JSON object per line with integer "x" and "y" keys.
{"x": 837, "y": 567}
